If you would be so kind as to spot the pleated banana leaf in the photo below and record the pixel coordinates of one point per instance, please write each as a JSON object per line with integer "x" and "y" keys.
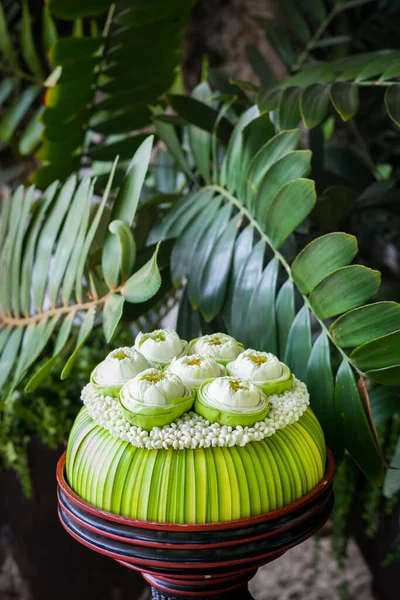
{"x": 51, "y": 282}
{"x": 234, "y": 245}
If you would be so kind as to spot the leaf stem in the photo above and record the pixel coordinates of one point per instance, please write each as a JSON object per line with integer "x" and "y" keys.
{"x": 317, "y": 35}
{"x": 220, "y": 190}
{"x": 13, "y": 321}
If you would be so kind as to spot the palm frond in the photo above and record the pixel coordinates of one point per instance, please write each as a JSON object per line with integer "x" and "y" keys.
{"x": 236, "y": 248}
{"x": 65, "y": 261}
{"x": 107, "y": 82}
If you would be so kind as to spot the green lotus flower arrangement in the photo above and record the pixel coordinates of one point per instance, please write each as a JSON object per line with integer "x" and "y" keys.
{"x": 193, "y": 432}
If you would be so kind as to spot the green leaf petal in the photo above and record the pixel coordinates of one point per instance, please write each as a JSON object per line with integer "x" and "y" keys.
{"x": 392, "y": 101}
{"x": 298, "y": 347}
{"x": 322, "y": 394}
{"x": 27, "y": 44}
{"x": 366, "y": 323}
{"x": 321, "y": 257}
{"x": 214, "y": 279}
{"x": 314, "y": 102}
{"x": 143, "y": 284}
{"x": 126, "y": 247}
{"x": 343, "y": 290}
{"x": 292, "y": 204}
{"x": 112, "y": 314}
{"x": 357, "y": 435}
{"x": 345, "y": 99}
{"x": 285, "y": 314}
{"x": 391, "y": 484}
{"x": 378, "y": 353}
{"x": 16, "y": 112}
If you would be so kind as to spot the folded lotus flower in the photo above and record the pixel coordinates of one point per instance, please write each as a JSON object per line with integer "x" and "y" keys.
{"x": 195, "y": 369}
{"x": 220, "y": 346}
{"x": 118, "y": 367}
{"x": 262, "y": 368}
{"x": 231, "y": 401}
{"x": 154, "y": 399}
{"x": 161, "y": 346}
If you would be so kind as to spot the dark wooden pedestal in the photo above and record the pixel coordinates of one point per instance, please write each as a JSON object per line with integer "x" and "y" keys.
{"x": 214, "y": 561}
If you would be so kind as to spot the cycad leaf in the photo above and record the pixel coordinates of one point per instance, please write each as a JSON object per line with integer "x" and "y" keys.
{"x": 16, "y": 112}
{"x": 366, "y": 323}
{"x": 285, "y": 314}
{"x": 392, "y": 101}
{"x": 241, "y": 253}
{"x": 289, "y": 108}
{"x": 357, "y": 435}
{"x": 298, "y": 347}
{"x": 378, "y": 353}
{"x": 84, "y": 332}
{"x": 292, "y": 204}
{"x": 314, "y": 104}
{"x": 9, "y": 354}
{"x": 126, "y": 248}
{"x": 214, "y": 279}
{"x": 343, "y": 290}
{"x": 322, "y": 394}
{"x": 345, "y": 99}
{"x": 321, "y": 257}
{"x": 27, "y": 44}
{"x": 261, "y": 318}
{"x": 6, "y": 45}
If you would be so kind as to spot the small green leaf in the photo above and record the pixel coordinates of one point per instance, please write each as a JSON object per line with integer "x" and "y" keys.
{"x": 343, "y": 290}
{"x": 345, "y": 98}
{"x": 268, "y": 98}
{"x": 314, "y": 102}
{"x": 260, "y": 317}
{"x": 391, "y": 484}
{"x": 112, "y": 313}
{"x": 392, "y": 101}
{"x": 321, "y": 257}
{"x": 9, "y": 354}
{"x": 6, "y": 88}
{"x": 214, "y": 280}
{"x": 357, "y": 434}
{"x": 16, "y": 112}
{"x": 49, "y": 31}
{"x": 378, "y": 353}
{"x": 298, "y": 347}
{"x": 143, "y": 284}
{"x": 322, "y": 394}
{"x": 84, "y": 332}
{"x": 198, "y": 113}
{"x": 366, "y": 323}
{"x": 291, "y": 205}
{"x": 27, "y": 44}
{"x": 6, "y": 46}
{"x": 126, "y": 247}
{"x": 169, "y": 136}
{"x": 386, "y": 376}
{"x": 32, "y": 135}
{"x": 285, "y": 314}
{"x": 289, "y": 108}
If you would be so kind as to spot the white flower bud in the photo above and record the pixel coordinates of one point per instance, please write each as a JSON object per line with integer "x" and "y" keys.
{"x": 220, "y": 346}
{"x": 195, "y": 369}
{"x": 233, "y": 394}
{"x": 152, "y": 388}
{"x": 161, "y": 345}
{"x": 119, "y": 366}
{"x": 256, "y": 366}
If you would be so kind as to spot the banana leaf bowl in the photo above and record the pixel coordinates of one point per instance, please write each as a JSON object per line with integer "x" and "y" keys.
{"x": 212, "y": 560}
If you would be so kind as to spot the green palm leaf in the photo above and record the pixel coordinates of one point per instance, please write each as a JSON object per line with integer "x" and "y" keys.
{"x": 51, "y": 279}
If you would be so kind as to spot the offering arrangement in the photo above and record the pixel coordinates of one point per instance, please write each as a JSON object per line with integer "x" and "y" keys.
{"x": 178, "y": 438}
